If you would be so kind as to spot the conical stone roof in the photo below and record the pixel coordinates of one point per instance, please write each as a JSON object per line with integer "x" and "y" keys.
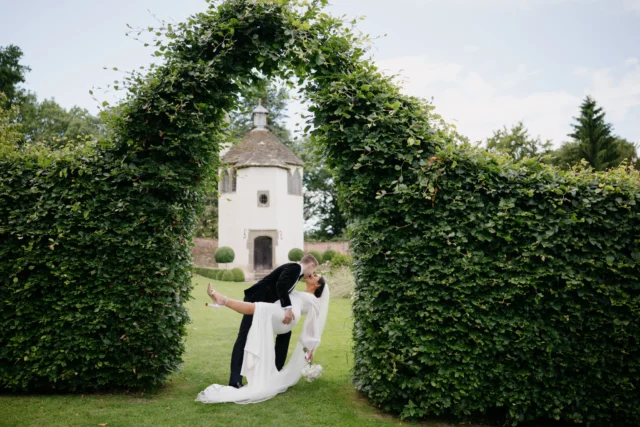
{"x": 261, "y": 148}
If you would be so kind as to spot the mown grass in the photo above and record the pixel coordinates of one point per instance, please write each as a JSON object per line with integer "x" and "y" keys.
{"x": 330, "y": 400}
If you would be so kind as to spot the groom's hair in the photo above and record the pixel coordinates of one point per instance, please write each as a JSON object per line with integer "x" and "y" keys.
{"x": 309, "y": 259}
{"x": 318, "y": 291}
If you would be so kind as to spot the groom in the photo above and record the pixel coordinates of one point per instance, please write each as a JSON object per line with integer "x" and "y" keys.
{"x": 275, "y": 286}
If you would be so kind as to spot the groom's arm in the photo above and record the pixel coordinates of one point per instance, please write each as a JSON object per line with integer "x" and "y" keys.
{"x": 286, "y": 281}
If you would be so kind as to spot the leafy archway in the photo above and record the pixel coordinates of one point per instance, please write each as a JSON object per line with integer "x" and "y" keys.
{"x": 95, "y": 253}
{"x": 480, "y": 281}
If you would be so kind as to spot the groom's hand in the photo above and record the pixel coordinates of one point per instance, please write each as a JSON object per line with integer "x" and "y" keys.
{"x": 288, "y": 316}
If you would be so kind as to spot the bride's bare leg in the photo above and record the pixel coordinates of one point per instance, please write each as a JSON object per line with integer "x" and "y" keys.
{"x": 241, "y": 307}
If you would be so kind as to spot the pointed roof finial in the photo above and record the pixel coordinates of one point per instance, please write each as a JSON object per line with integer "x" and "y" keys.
{"x": 259, "y": 116}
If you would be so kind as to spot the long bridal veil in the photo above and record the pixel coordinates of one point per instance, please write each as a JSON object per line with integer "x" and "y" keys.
{"x": 264, "y": 380}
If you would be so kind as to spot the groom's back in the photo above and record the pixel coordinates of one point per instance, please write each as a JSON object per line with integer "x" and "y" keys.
{"x": 265, "y": 288}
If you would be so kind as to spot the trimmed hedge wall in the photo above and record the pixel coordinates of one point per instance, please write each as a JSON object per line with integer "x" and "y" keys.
{"x": 95, "y": 260}
{"x": 95, "y": 267}
{"x": 211, "y": 273}
{"x": 482, "y": 285}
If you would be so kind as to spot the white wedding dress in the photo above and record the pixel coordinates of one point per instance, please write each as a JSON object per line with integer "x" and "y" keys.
{"x": 258, "y": 366}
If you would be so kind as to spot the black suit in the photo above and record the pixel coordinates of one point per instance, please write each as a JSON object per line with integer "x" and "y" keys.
{"x": 273, "y": 287}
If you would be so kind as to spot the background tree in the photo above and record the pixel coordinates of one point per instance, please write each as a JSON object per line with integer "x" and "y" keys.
{"x": 594, "y": 141}
{"x": 12, "y": 73}
{"x": 10, "y": 130}
{"x": 517, "y": 143}
{"x": 41, "y": 120}
{"x": 47, "y": 121}
{"x": 320, "y": 197}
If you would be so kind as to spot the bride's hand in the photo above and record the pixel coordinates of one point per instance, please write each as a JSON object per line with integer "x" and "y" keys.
{"x": 309, "y": 356}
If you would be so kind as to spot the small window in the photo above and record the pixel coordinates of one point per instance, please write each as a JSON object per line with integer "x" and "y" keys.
{"x": 289, "y": 183}
{"x": 234, "y": 180}
{"x": 297, "y": 183}
{"x": 263, "y": 199}
{"x": 224, "y": 188}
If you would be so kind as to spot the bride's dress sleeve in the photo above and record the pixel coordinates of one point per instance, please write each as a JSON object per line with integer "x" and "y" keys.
{"x": 310, "y": 335}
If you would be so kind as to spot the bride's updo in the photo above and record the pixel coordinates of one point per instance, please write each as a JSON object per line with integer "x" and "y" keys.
{"x": 318, "y": 291}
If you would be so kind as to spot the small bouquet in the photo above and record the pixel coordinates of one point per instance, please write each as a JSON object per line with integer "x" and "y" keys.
{"x": 311, "y": 372}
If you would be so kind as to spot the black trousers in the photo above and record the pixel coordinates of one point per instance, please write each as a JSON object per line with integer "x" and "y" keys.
{"x": 282, "y": 347}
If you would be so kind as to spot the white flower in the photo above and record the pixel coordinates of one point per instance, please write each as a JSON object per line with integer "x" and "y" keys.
{"x": 312, "y": 372}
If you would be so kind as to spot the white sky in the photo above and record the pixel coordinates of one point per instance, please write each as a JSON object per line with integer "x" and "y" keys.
{"x": 486, "y": 63}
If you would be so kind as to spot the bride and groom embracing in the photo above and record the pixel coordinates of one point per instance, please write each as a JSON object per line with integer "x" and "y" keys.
{"x": 272, "y": 307}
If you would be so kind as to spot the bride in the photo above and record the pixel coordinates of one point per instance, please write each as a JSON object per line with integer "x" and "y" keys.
{"x": 263, "y": 379}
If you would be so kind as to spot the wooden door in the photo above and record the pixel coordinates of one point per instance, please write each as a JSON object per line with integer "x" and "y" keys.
{"x": 263, "y": 253}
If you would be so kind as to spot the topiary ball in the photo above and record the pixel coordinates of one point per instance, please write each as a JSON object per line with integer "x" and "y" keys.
{"x": 317, "y": 255}
{"x": 328, "y": 255}
{"x": 224, "y": 255}
{"x": 238, "y": 275}
{"x": 227, "y": 276}
{"x": 295, "y": 254}
{"x": 220, "y": 274}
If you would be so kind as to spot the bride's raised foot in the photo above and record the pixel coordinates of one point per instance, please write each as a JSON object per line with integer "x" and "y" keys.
{"x": 219, "y": 300}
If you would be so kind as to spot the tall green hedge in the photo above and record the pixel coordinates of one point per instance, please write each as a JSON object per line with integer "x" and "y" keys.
{"x": 95, "y": 261}
{"x": 482, "y": 285}
{"x": 94, "y": 271}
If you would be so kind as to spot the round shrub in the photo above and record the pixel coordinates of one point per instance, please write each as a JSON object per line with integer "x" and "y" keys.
{"x": 228, "y": 276}
{"x": 341, "y": 260}
{"x": 220, "y": 274}
{"x": 224, "y": 255}
{"x": 328, "y": 255}
{"x": 238, "y": 275}
{"x": 317, "y": 255}
{"x": 295, "y": 254}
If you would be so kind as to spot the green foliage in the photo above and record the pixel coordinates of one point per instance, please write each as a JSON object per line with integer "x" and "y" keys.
{"x": 12, "y": 73}
{"x": 211, "y": 273}
{"x": 238, "y": 275}
{"x": 481, "y": 283}
{"x": 208, "y": 221}
{"x": 228, "y": 276}
{"x": 320, "y": 197}
{"x": 594, "y": 141}
{"x": 317, "y": 255}
{"x": 49, "y": 122}
{"x": 517, "y": 143}
{"x": 220, "y": 274}
{"x": 224, "y": 255}
{"x": 10, "y": 130}
{"x": 328, "y": 255}
{"x": 341, "y": 260}
{"x": 295, "y": 254}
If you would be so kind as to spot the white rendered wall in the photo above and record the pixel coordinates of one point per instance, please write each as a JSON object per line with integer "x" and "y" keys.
{"x": 239, "y": 214}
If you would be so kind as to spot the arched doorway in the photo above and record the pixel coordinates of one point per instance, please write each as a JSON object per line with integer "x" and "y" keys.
{"x": 263, "y": 253}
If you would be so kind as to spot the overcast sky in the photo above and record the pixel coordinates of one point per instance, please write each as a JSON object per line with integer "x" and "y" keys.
{"x": 486, "y": 63}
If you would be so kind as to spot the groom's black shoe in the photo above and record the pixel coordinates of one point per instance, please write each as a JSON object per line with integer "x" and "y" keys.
{"x": 236, "y": 385}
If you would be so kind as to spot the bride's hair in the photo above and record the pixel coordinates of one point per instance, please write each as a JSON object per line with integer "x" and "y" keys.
{"x": 318, "y": 291}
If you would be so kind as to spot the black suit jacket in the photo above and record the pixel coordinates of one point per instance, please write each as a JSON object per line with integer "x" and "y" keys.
{"x": 276, "y": 285}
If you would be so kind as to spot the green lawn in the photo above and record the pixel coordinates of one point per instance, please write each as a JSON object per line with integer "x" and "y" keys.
{"x": 330, "y": 400}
